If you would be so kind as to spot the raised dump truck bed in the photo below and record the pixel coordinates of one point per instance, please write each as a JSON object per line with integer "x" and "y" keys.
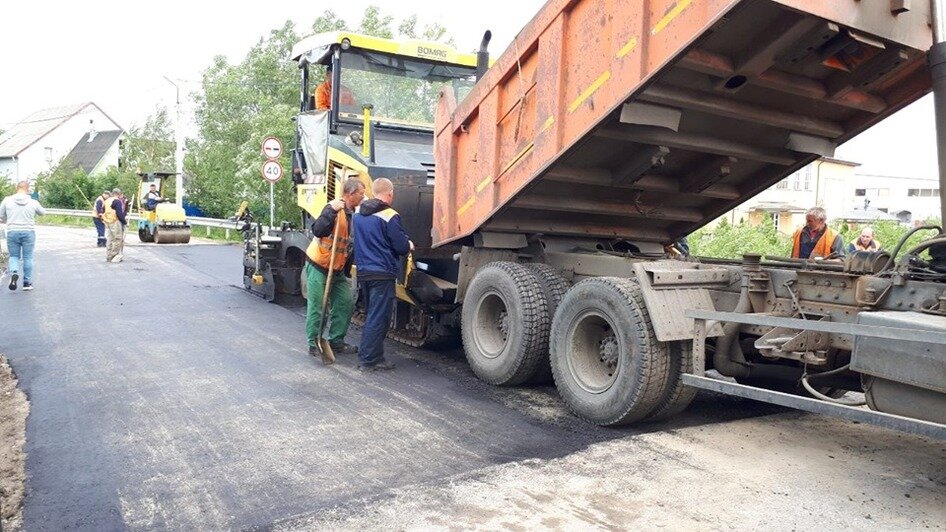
{"x": 644, "y": 120}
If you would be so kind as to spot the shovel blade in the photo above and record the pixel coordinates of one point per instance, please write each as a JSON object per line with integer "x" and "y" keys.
{"x": 328, "y": 356}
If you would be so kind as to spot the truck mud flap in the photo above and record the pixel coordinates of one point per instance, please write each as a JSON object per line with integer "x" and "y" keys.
{"x": 672, "y": 287}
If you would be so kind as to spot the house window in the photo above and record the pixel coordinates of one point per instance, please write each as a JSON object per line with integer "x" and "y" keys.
{"x": 807, "y": 174}
{"x": 883, "y": 192}
{"x": 796, "y": 182}
{"x": 923, "y": 192}
{"x": 860, "y": 191}
{"x": 782, "y": 185}
{"x": 775, "y": 217}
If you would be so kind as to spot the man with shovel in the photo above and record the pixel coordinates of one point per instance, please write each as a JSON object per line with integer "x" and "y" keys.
{"x": 328, "y": 290}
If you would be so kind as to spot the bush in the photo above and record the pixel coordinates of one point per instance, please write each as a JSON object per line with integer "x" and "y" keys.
{"x": 728, "y": 241}
{"x": 68, "y": 187}
{"x": 886, "y": 233}
{"x": 6, "y": 187}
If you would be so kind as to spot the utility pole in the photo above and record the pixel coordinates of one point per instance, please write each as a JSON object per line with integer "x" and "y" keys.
{"x": 938, "y": 70}
{"x": 178, "y": 147}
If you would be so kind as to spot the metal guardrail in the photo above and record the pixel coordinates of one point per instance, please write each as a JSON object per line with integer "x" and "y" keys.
{"x": 196, "y": 221}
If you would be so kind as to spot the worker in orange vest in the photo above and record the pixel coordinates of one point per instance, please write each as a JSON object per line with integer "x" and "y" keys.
{"x": 865, "y": 242}
{"x": 816, "y": 239}
{"x": 318, "y": 262}
{"x": 323, "y": 93}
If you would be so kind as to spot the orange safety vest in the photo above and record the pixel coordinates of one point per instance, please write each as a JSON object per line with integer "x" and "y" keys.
{"x": 822, "y": 246}
{"x": 870, "y": 247}
{"x": 320, "y": 249}
{"x": 323, "y": 96}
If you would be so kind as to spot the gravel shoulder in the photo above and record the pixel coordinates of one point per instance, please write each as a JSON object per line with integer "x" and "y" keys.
{"x": 13, "y": 411}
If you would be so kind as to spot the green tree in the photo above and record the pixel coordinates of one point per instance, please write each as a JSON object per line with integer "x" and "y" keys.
{"x": 376, "y": 24}
{"x": 7, "y": 187}
{"x": 150, "y": 147}
{"x": 239, "y": 106}
{"x": 728, "y": 241}
{"x": 328, "y": 21}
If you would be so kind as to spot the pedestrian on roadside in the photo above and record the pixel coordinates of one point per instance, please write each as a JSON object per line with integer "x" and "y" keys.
{"x": 113, "y": 215}
{"x": 341, "y": 300}
{"x": 380, "y": 242}
{"x": 864, "y": 242}
{"x": 19, "y": 212}
{"x": 97, "y": 211}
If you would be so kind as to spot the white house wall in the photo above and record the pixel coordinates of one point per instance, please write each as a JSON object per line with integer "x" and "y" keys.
{"x": 34, "y": 160}
{"x": 109, "y": 159}
{"x": 8, "y": 169}
{"x": 891, "y": 194}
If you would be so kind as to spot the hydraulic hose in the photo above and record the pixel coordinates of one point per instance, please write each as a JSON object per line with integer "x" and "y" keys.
{"x": 926, "y": 244}
{"x": 903, "y": 240}
{"x": 815, "y": 393}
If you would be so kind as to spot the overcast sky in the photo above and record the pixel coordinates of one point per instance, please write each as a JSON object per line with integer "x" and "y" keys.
{"x": 115, "y": 53}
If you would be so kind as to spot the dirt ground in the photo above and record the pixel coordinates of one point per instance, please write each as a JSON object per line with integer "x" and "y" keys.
{"x": 788, "y": 472}
{"x": 13, "y": 411}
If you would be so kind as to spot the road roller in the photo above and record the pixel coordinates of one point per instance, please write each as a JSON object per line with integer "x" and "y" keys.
{"x": 161, "y": 221}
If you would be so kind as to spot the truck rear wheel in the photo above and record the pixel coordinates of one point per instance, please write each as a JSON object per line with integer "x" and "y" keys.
{"x": 678, "y": 396}
{"x": 554, "y": 285}
{"x": 608, "y": 365}
{"x": 505, "y": 324}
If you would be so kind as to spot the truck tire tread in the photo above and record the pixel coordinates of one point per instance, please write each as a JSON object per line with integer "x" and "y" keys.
{"x": 527, "y": 341}
{"x": 637, "y": 396}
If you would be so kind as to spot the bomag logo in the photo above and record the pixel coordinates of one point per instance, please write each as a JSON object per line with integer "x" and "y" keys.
{"x": 435, "y": 53}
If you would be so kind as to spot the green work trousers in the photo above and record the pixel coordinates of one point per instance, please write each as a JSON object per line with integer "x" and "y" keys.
{"x": 341, "y": 305}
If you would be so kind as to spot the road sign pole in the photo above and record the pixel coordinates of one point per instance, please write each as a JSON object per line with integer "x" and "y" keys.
{"x": 271, "y": 171}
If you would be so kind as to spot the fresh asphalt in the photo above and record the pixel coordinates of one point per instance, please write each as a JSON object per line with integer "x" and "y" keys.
{"x": 162, "y": 395}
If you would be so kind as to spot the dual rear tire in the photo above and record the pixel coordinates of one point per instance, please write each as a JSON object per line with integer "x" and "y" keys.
{"x": 521, "y": 322}
{"x": 608, "y": 364}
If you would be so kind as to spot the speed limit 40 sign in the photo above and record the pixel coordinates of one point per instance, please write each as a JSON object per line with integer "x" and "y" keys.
{"x": 272, "y": 171}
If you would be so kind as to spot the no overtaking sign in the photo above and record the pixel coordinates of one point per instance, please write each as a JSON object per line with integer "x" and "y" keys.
{"x": 272, "y": 148}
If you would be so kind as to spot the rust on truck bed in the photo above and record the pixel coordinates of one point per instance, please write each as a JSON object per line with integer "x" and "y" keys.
{"x": 645, "y": 120}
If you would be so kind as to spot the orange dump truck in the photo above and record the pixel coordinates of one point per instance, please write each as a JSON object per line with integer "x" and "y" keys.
{"x": 607, "y": 132}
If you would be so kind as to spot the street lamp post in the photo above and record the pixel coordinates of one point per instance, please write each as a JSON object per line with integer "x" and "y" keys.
{"x": 178, "y": 147}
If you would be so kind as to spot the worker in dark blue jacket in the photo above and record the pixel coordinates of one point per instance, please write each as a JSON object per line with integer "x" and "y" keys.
{"x": 380, "y": 242}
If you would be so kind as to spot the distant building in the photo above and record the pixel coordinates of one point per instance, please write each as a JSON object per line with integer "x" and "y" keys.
{"x": 908, "y": 199}
{"x": 81, "y": 133}
{"x": 825, "y": 183}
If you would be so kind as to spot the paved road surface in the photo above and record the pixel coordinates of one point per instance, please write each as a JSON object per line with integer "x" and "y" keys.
{"x": 164, "y": 396}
